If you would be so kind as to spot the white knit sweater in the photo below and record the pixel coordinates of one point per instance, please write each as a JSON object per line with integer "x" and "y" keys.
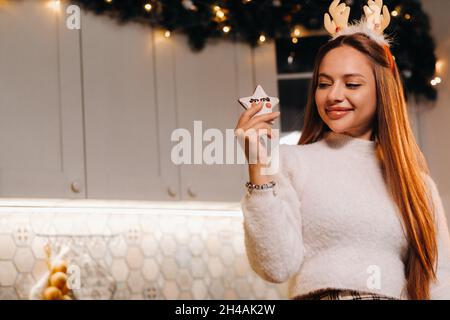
{"x": 331, "y": 223}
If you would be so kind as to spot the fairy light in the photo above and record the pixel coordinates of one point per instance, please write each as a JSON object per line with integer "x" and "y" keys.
{"x": 54, "y": 4}
{"x": 226, "y": 29}
{"x": 407, "y": 16}
{"x": 262, "y": 38}
{"x": 296, "y": 32}
{"x": 394, "y": 13}
{"x": 108, "y": 1}
{"x": 436, "y": 81}
{"x": 148, "y": 6}
{"x": 294, "y": 40}
{"x": 167, "y": 34}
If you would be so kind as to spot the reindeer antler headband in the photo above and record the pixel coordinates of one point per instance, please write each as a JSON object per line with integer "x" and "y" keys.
{"x": 376, "y": 20}
{"x": 373, "y": 24}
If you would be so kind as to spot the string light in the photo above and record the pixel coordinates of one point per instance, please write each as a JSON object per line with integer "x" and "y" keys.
{"x": 226, "y": 29}
{"x": 407, "y": 16}
{"x": 296, "y": 33}
{"x": 148, "y": 6}
{"x": 294, "y": 40}
{"x": 436, "y": 81}
{"x": 167, "y": 34}
{"x": 108, "y": 1}
{"x": 262, "y": 38}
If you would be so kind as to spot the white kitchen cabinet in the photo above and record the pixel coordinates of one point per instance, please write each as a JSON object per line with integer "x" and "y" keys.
{"x": 124, "y": 152}
{"x": 208, "y": 84}
{"x": 89, "y": 113}
{"x": 41, "y": 127}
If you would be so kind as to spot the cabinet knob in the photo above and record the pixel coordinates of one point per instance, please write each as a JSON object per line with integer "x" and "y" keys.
{"x": 191, "y": 192}
{"x": 75, "y": 186}
{"x": 171, "y": 192}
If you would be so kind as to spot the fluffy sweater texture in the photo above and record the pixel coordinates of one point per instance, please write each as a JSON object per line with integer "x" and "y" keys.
{"x": 331, "y": 223}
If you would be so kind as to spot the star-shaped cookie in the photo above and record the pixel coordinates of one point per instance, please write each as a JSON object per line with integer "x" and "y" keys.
{"x": 259, "y": 95}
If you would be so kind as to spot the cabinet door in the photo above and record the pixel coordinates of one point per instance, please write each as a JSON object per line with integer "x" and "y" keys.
{"x": 123, "y": 147}
{"x": 41, "y": 134}
{"x": 208, "y": 84}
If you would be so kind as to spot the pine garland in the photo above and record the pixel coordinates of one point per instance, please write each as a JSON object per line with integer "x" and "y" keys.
{"x": 275, "y": 19}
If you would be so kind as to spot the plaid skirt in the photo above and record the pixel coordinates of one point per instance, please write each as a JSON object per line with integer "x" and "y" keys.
{"x": 342, "y": 294}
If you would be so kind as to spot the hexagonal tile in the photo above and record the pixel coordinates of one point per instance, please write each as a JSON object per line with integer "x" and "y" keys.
{"x": 135, "y": 282}
{"x": 23, "y": 285}
{"x": 135, "y": 258}
{"x": 122, "y": 291}
{"x": 24, "y": 260}
{"x": 185, "y": 295}
{"x": 63, "y": 224}
{"x": 151, "y": 291}
{"x": 230, "y": 294}
{"x": 118, "y": 247}
{"x": 213, "y": 244}
{"x": 134, "y": 235}
{"x": 216, "y": 289}
{"x": 37, "y": 247}
{"x": 282, "y": 289}
{"x": 166, "y": 225}
{"x": 227, "y": 255}
{"x": 272, "y": 294}
{"x": 39, "y": 269}
{"x": 97, "y": 248}
{"x": 198, "y": 267}
{"x": 241, "y": 266}
{"x": 151, "y": 269}
{"x": 8, "y": 274}
{"x": 215, "y": 267}
{"x": 7, "y": 247}
{"x": 21, "y": 234}
{"x": 169, "y": 268}
{"x": 238, "y": 245}
{"x": 183, "y": 256}
{"x": 242, "y": 288}
{"x": 149, "y": 245}
{"x": 199, "y": 290}
{"x": 98, "y": 224}
{"x": 147, "y": 224}
{"x": 119, "y": 270}
{"x": 168, "y": 245}
{"x": 182, "y": 234}
{"x": 196, "y": 225}
{"x": 170, "y": 290}
{"x": 259, "y": 288}
{"x": 196, "y": 245}
{"x": 8, "y": 293}
{"x": 184, "y": 279}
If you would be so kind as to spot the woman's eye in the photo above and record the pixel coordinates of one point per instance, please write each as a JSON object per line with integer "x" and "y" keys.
{"x": 323, "y": 85}
{"x": 353, "y": 85}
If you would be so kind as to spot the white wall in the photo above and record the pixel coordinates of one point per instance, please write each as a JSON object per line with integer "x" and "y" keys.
{"x": 434, "y": 120}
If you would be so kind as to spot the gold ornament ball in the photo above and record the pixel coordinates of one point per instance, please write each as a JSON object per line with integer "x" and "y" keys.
{"x": 58, "y": 280}
{"x": 52, "y": 293}
{"x": 60, "y": 266}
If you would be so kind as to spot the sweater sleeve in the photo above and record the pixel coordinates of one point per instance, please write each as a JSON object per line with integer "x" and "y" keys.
{"x": 272, "y": 224}
{"x": 440, "y": 290}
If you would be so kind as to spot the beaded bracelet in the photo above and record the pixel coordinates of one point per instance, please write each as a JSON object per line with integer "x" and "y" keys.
{"x": 250, "y": 186}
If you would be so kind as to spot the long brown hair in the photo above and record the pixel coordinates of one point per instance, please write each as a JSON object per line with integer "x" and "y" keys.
{"x": 403, "y": 164}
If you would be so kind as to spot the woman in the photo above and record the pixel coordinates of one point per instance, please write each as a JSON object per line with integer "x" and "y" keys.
{"x": 352, "y": 212}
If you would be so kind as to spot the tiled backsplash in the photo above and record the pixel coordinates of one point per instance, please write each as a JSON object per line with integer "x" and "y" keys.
{"x": 143, "y": 253}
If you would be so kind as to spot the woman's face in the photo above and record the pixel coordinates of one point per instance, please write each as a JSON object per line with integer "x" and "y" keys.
{"x": 346, "y": 92}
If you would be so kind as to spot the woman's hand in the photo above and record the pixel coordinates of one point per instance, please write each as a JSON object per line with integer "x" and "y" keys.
{"x": 248, "y": 130}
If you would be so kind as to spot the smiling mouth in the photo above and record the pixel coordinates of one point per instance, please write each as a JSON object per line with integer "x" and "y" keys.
{"x": 336, "y": 114}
